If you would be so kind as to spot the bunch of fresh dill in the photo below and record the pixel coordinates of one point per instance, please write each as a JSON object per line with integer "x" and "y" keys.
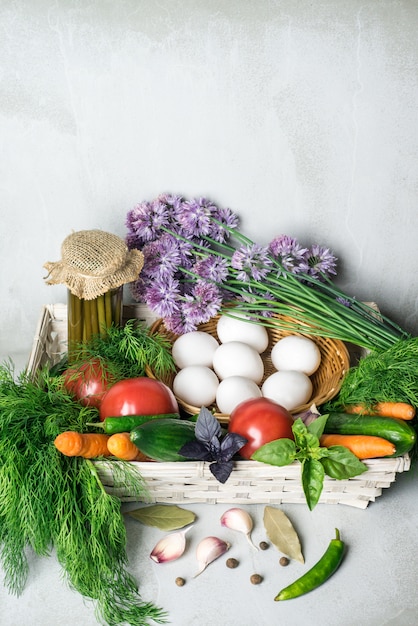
{"x": 62, "y": 504}
{"x": 127, "y": 350}
{"x": 389, "y": 375}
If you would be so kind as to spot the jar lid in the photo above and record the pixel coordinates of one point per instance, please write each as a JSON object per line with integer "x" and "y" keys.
{"x": 93, "y": 262}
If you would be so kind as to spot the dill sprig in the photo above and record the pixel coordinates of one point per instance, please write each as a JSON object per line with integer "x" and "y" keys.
{"x": 390, "y": 375}
{"x": 128, "y": 350}
{"x": 52, "y": 502}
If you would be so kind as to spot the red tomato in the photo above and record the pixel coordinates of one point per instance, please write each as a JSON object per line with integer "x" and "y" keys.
{"x": 260, "y": 421}
{"x": 88, "y": 382}
{"x": 138, "y": 396}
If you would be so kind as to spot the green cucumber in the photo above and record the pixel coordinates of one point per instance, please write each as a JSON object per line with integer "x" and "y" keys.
{"x": 161, "y": 439}
{"x": 397, "y": 431}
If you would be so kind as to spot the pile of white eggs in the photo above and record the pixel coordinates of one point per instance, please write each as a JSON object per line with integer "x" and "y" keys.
{"x": 231, "y": 370}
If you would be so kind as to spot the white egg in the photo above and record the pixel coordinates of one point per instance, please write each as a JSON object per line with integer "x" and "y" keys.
{"x": 233, "y": 390}
{"x": 238, "y": 359}
{"x": 194, "y": 348}
{"x": 288, "y": 388}
{"x": 296, "y": 353}
{"x": 196, "y": 385}
{"x": 232, "y": 329}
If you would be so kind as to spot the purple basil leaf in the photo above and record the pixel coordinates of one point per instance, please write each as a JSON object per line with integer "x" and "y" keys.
{"x": 215, "y": 448}
{"x": 195, "y": 450}
{"x": 230, "y": 444}
{"x": 207, "y": 426}
{"x": 221, "y": 471}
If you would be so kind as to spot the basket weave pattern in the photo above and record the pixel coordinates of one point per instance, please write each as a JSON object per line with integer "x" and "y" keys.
{"x": 192, "y": 481}
{"x": 326, "y": 381}
{"x": 253, "y": 483}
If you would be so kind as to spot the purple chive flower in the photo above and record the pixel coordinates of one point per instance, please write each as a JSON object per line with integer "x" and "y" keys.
{"x": 319, "y": 262}
{"x": 252, "y": 262}
{"x": 176, "y": 324}
{"x": 145, "y": 220}
{"x": 288, "y": 252}
{"x": 173, "y": 201}
{"x": 203, "y": 303}
{"x": 185, "y": 251}
{"x": 138, "y": 288}
{"x": 189, "y": 271}
{"x": 344, "y": 301}
{"x": 194, "y": 217}
{"x": 161, "y": 296}
{"x": 212, "y": 267}
{"x": 227, "y": 220}
{"x": 161, "y": 257}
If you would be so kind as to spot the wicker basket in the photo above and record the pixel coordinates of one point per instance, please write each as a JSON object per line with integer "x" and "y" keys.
{"x": 252, "y": 483}
{"x": 192, "y": 481}
{"x": 326, "y": 381}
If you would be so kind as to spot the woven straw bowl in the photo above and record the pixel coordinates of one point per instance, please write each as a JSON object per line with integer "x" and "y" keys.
{"x": 326, "y": 381}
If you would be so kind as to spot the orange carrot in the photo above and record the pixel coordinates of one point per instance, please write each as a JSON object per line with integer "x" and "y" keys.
{"x": 121, "y": 446}
{"x": 88, "y": 445}
{"x": 400, "y": 410}
{"x": 363, "y": 446}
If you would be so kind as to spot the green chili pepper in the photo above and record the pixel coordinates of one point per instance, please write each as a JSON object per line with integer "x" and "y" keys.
{"x": 126, "y": 423}
{"x": 319, "y": 573}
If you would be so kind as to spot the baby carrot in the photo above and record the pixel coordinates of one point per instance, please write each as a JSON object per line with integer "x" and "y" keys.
{"x": 400, "y": 410}
{"x": 363, "y": 446}
{"x": 87, "y": 445}
{"x": 121, "y": 446}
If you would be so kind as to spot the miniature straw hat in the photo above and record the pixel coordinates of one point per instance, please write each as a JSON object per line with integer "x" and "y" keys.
{"x": 93, "y": 262}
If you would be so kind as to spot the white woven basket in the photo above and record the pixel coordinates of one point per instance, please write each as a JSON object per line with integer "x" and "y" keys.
{"x": 192, "y": 481}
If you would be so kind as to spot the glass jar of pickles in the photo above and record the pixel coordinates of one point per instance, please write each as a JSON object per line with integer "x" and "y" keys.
{"x": 94, "y": 266}
{"x": 93, "y": 317}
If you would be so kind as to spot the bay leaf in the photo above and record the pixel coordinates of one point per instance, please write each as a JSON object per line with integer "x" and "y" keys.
{"x": 281, "y": 533}
{"x": 163, "y": 516}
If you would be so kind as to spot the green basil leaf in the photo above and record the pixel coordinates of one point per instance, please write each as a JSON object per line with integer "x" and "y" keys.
{"x": 312, "y": 481}
{"x": 300, "y": 432}
{"x": 316, "y": 427}
{"x": 341, "y": 463}
{"x": 279, "y": 452}
{"x": 311, "y": 442}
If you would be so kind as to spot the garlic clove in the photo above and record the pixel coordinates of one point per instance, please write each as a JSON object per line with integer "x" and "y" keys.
{"x": 170, "y": 547}
{"x": 240, "y": 520}
{"x": 309, "y": 416}
{"x": 208, "y": 550}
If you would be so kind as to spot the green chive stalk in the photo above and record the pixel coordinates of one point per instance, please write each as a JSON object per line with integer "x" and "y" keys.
{"x": 315, "y": 307}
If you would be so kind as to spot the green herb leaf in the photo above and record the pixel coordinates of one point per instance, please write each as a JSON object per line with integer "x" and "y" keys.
{"x": 307, "y": 442}
{"x": 341, "y": 463}
{"x": 62, "y": 503}
{"x": 279, "y": 452}
{"x": 382, "y": 375}
{"x": 316, "y": 461}
{"x": 127, "y": 350}
{"x": 281, "y": 533}
{"x": 163, "y": 516}
{"x": 299, "y": 431}
{"x": 317, "y": 426}
{"x": 312, "y": 481}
